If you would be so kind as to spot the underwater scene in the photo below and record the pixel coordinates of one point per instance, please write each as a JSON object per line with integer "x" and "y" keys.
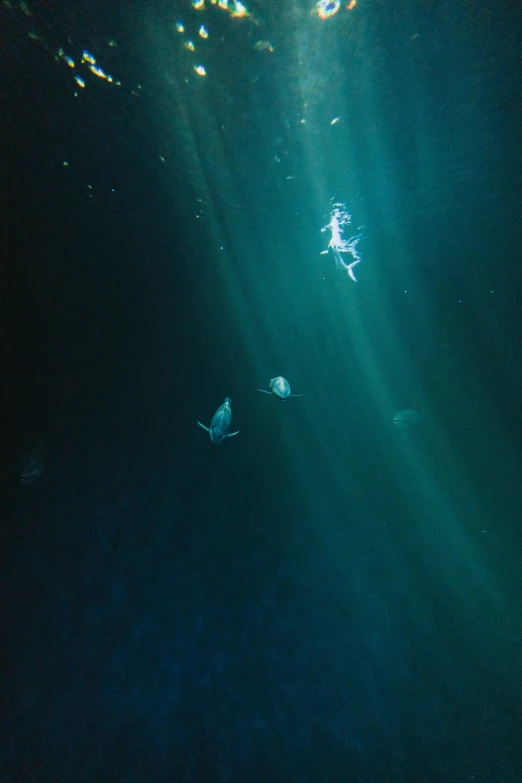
{"x": 261, "y": 469}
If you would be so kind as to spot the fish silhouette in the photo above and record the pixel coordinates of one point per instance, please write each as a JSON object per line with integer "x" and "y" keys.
{"x": 33, "y": 466}
{"x": 407, "y": 418}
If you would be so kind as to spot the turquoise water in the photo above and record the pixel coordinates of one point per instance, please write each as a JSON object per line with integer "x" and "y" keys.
{"x": 330, "y": 595}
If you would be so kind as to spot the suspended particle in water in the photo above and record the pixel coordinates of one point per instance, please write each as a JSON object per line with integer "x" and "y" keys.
{"x": 99, "y": 72}
{"x": 87, "y": 57}
{"x": 60, "y": 55}
{"x": 239, "y": 9}
{"x": 327, "y": 8}
{"x": 262, "y": 46}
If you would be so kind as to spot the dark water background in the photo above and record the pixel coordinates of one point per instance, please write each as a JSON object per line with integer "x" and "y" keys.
{"x": 324, "y": 597}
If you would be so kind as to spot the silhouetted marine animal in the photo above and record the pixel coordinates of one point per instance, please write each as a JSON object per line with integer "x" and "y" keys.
{"x": 220, "y": 424}
{"x": 280, "y": 387}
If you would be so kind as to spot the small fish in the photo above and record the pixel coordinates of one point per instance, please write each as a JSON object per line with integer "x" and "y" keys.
{"x": 261, "y": 46}
{"x": 280, "y": 387}
{"x": 220, "y": 424}
{"x": 407, "y": 418}
{"x": 33, "y": 466}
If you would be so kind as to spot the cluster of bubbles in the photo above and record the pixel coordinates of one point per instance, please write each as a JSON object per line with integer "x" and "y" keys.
{"x": 235, "y": 9}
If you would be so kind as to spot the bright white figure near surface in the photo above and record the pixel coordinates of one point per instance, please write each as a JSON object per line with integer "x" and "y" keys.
{"x": 280, "y": 387}
{"x": 220, "y": 424}
{"x": 338, "y": 219}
